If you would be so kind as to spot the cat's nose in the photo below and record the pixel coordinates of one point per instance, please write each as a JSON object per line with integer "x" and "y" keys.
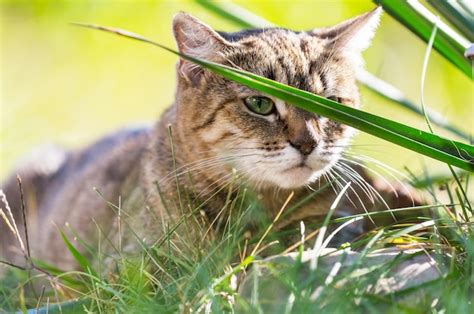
{"x": 299, "y": 135}
{"x": 305, "y": 147}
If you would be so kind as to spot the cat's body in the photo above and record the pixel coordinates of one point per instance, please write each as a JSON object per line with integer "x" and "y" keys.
{"x": 214, "y": 126}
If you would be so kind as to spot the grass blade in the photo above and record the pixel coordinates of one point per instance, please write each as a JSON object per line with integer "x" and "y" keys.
{"x": 319, "y": 244}
{"x": 81, "y": 259}
{"x": 454, "y": 153}
{"x": 457, "y": 15}
{"x": 247, "y": 19}
{"x": 419, "y": 20}
{"x": 390, "y": 92}
{"x": 235, "y": 14}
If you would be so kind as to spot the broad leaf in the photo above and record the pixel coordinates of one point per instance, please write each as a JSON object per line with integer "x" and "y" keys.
{"x": 451, "y": 152}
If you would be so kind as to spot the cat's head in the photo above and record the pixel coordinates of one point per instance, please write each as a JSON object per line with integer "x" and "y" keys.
{"x": 269, "y": 142}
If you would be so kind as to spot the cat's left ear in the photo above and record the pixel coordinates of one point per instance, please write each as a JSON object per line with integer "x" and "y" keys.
{"x": 196, "y": 39}
{"x": 353, "y": 35}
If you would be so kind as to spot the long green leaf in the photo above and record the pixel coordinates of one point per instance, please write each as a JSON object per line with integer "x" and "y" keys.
{"x": 390, "y": 92}
{"x": 420, "y": 21}
{"x": 247, "y": 19}
{"x": 455, "y": 153}
{"x": 80, "y": 259}
{"x": 235, "y": 14}
{"x": 460, "y": 17}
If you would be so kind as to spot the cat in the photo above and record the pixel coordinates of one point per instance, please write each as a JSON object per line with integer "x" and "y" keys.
{"x": 216, "y": 131}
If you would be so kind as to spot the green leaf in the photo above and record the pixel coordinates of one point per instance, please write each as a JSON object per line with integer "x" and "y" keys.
{"x": 455, "y": 153}
{"x": 247, "y": 19}
{"x": 228, "y": 10}
{"x": 451, "y": 152}
{"x": 457, "y": 15}
{"x": 420, "y": 21}
{"x": 80, "y": 259}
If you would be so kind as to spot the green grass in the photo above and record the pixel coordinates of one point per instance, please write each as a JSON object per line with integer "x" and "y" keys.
{"x": 175, "y": 275}
{"x": 419, "y": 20}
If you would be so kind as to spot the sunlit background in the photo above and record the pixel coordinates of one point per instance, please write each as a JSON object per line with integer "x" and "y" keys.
{"x": 68, "y": 85}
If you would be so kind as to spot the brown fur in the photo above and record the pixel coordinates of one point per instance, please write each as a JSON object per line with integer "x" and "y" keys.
{"x": 206, "y": 134}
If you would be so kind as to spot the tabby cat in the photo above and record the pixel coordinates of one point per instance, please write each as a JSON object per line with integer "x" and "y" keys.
{"x": 217, "y": 131}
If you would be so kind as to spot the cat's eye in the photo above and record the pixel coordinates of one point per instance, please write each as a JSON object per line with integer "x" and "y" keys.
{"x": 260, "y": 104}
{"x": 335, "y": 98}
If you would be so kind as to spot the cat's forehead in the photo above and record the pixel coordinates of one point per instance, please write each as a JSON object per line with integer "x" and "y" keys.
{"x": 279, "y": 38}
{"x": 278, "y": 48}
{"x": 287, "y": 56}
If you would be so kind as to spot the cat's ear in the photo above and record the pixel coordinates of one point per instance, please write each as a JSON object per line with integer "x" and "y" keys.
{"x": 196, "y": 39}
{"x": 353, "y": 35}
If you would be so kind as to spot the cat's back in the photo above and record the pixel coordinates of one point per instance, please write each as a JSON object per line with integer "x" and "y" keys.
{"x": 105, "y": 164}
{"x": 64, "y": 191}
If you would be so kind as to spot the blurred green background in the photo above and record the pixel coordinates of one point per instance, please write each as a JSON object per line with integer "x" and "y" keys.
{"x": 68, "y": 85}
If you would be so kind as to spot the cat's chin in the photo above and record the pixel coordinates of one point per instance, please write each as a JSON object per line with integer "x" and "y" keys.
{"x": 293, "y": 178}
{"x": 299, "y": 176}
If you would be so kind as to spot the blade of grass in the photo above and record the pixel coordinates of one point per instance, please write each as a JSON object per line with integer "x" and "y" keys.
{"x": 255, "y": 249}
{"x": 448, "y": 151}
{"x": 456, "y": 14}
{"x": 235, "y": 13}
{"x": 81, "y": 259}
{"x": 420, "y": 20}
{"x": 436, "y": 178}
{"x": 423, "y": 74}
{"x": 394, "y": 210}
{"x": 247, "y": 19}
{"x": 451, "y": 152}
{"x": 390, "y": 92}
{"x": 319, "y": 245}
{"x": 410, "y": 229}
{"x": 422, "y": 92}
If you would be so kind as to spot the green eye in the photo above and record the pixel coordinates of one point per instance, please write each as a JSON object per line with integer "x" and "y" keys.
{"x": 335, "y": 98}
{"x": 259, "y": 104}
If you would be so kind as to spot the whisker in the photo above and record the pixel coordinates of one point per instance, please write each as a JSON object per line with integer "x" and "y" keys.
{"x": 357, "y": 179}
{"x": 358, "y": 197}
{"x": 329, "y": 178}
{"x": 342, "y": 186}
{"x": 372, "y": 171}
{"x": 201, "y": 163}
{"x": 391, "y": 172}
{"x": 376, "y": 193}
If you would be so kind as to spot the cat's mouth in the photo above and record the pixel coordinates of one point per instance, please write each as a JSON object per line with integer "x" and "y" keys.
{"x": 300, "y": 174}
{"x": 299, "y": 167}
{"x": 295, "y": 176}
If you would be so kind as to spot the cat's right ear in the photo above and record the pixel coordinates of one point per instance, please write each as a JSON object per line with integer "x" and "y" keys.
{"x": 353, "y": 35}
{"x": 196, "y": 39}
